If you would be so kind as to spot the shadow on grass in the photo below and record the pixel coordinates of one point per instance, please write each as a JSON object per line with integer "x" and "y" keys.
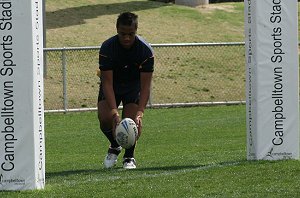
{"x": 165, "y": 169}
{"x": 77, "y": 15}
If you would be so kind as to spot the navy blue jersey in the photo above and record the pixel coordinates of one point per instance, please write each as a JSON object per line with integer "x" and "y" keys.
{"x": 126, "y": 63}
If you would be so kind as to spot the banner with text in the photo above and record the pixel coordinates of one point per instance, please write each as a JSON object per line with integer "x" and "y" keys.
{"x": 22, "y": 146}
{"x": 272, "y": 88}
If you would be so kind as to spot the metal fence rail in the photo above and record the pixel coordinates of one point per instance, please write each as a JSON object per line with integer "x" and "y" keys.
{"x": 185, "y": 74}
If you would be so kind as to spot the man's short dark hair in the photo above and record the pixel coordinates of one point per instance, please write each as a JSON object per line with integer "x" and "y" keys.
{"x": 128, "y": 19}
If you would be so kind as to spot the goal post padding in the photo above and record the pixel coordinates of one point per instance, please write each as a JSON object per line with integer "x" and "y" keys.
{"x": 22, "y": 146}
{"x": 272, "y": 88}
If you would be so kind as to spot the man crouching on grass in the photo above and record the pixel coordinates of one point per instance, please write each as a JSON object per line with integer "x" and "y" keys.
{"x": 126, "y": 62}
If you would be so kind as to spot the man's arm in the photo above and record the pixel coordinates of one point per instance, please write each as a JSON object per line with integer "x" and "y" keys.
{"x": 107, "y": 82}
{"x": 146, "y": 78}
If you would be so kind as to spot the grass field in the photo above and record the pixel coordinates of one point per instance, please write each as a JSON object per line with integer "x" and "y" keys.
{"x": 181, "y": 74}
{"x": 88, "y": 23}
{"x": 183, "y": 152}
{"x": 200, "y": 74}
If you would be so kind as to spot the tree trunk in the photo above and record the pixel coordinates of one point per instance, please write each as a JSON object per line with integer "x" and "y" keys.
{"x": 192, "y": 3}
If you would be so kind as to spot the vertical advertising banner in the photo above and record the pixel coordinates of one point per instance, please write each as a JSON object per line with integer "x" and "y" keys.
{"x": 22, "y": 147}
{"x": 272, "y": 88}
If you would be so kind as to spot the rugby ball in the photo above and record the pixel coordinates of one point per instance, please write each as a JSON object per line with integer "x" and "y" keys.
{"x": 126, "y": 133}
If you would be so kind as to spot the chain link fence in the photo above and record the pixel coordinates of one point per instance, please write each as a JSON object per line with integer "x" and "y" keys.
{"x": 186, "y": 73}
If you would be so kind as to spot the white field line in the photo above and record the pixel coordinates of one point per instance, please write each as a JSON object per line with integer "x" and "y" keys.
{"x": 100, "y": 178}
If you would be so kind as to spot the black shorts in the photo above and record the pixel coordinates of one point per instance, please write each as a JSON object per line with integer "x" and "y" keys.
{"x": 125, "y": 94}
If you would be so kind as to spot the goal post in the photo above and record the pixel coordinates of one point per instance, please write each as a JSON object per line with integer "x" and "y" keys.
{"x": 22, "y": 146}
{"x": 272, "y": 82}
